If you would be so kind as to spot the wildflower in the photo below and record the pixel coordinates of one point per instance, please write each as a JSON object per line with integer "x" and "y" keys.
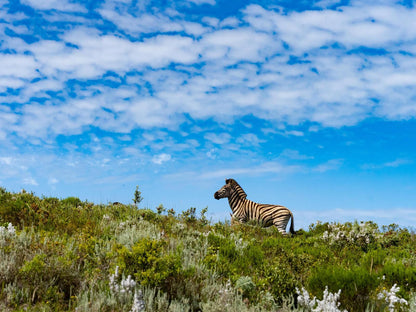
{"x": 113, "y": 281}
{"x": 162, "y": 234}
{"x": 11, "y": 229}
{"x": 329, "y": 302}
{"x": 304, "y": 299}
{"x": 127, "y": 285}
{"x": 226, "y": 294}
{"x": 391, "y": 297}
{"x": 227, "y": 289}
{"x": 7, "y": 233}
{"x": 138, "y": 302}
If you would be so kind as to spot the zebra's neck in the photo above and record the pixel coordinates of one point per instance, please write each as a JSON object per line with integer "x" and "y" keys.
{"x": 238, "y": 205}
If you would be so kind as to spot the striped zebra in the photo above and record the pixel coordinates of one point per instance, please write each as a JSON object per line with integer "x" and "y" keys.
{"x": 245, "y": 209}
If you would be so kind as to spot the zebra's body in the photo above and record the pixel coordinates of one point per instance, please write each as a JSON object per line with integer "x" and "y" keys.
{"x": 245, "y": 209}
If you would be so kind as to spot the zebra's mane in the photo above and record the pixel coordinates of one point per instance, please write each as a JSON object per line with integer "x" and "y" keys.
{"x": 237, "y": 188}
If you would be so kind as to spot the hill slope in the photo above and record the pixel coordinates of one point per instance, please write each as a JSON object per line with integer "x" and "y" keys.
{"x": 69, "y": 255}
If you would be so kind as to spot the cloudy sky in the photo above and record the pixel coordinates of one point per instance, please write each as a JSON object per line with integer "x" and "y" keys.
{"x": 308, "y": 104}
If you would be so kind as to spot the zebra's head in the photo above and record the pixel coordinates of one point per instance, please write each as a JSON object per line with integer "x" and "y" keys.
{"x": 230, "y": 186}
{"x": 225, "y": 191}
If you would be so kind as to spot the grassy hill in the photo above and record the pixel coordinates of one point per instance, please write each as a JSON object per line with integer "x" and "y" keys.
{"x": 70, "y": 255}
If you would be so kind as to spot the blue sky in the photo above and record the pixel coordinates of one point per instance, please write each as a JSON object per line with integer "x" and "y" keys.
{"x": 308, "y": 104}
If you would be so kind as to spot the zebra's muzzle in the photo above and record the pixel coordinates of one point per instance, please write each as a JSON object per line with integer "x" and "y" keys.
{"x": 216, "y": 195}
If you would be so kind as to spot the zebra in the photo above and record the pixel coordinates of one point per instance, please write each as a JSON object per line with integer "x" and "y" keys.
{"x": 244, "y": 209}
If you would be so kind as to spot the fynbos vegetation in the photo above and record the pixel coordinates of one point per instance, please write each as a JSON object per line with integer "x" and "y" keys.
{"x": 70, "y": 255}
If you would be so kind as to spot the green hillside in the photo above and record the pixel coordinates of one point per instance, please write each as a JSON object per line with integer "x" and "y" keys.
{"x": 70, "y": 255}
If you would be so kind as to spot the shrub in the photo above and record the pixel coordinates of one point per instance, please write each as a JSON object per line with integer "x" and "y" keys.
{"x": 356, "y": 284}
{"x": 150, "y": 265}
{"x": 398, "y": 273}
{"x": 279, "y": 280}
{"x": 71, "y": 202}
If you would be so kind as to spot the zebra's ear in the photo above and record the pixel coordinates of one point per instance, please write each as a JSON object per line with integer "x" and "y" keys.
{"x": 230, "y": 181}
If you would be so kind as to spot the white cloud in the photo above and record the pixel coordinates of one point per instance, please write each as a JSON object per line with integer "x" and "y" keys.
{"x": 249, "y": 139}
{"x": 30, "y": 181}
{"x": 161, "y": 158}
{"x": 332, "y": 164}
{"x": 265, "y": 168}
{"x": 199, "y": 2}
{"x": 61, "y": 5}
{"x": 293, "y": 154}
{"x": 6, "y": 160}
{"x": 326, "y": 3}
{"x": 390, "y": 164}
{"x": 141, "y": 22}
{"x": 7, "y": 119}
{"x": 212, "y": 153}
{"x": 15, "y": 65}
{"x": 296, "y": 133}
{"x": 385, "y": 216}
{"x": 147, "y": 23}
{"x": 10, "y": 82}
{"x": 272, "y": 67}
{"x": 231, "y": 45}
{"x": 382, "y": 216}
{"x": 150, "y": 112}
{"x": 220, "y": 139}
{"x": 96, "y": 54}
{"x": 44, "y": 120}
{"x": 398, "y": 162}
{"x": 53, "y": 181}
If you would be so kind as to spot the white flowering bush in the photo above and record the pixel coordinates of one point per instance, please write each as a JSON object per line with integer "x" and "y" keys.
{"x": 304, "y": 299}
{"x": 358, "y": 233}
{"x": 390, "y": 297}
{"x": 6, "y": 233}
{"x": 222, "y": 298}
{"x": 329, "y": 302}
{"x": 131, "y": 231}
{"x": 124, "y": 289}
{"x": 240, "y": 244}
{"x": 9, "y": 260}
{"x": 106, "y": 217}
{"x": 125, "y": 286}
{"x": 226, "y": 290}
{"x": 138, "y": 302}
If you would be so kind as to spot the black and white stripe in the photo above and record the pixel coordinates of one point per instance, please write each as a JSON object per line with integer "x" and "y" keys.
{"x": 245, "y": 209}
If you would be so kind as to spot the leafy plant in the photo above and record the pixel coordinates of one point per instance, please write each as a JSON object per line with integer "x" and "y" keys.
{"x": 137, "y": 196}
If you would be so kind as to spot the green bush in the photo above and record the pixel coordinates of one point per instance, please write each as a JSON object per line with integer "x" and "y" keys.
{"x": 72, "y": 202}
{"x": 279, "y": 280}
{"x": 398, "y": 273}
{"x": 356, "y": 284}
{"x": 150, "y": 264}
